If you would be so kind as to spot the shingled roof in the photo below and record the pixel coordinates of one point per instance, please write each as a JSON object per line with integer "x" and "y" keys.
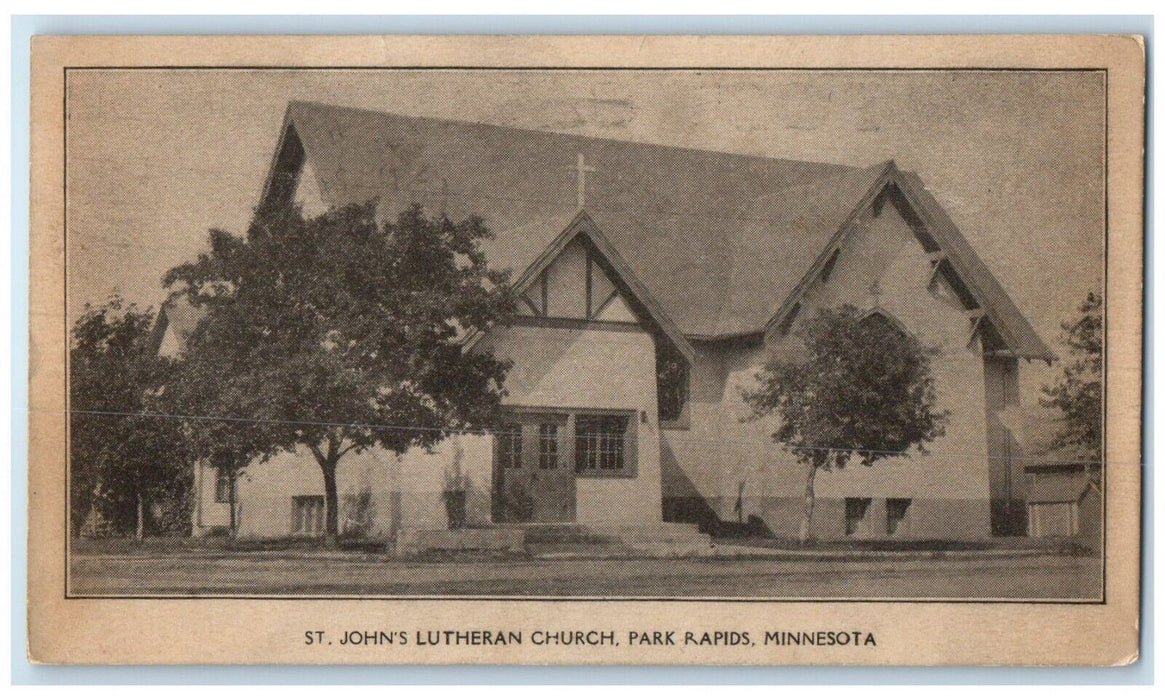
{"x": 720, "y": 240}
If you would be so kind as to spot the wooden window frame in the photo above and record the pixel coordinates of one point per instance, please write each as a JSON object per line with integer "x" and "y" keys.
{"x": 509, "y": 445}
{"x": 567, "y": 418}
{"x": 549, "y": 454}
{"x": 628, "y": 446}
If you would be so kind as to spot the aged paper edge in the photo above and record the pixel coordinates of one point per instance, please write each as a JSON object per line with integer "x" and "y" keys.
{"x": 63, "y": 630}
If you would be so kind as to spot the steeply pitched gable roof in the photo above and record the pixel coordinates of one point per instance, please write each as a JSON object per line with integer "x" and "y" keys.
{"x": 1058, "y": 488}
{"x": 1019, "y": 335}
{"x": 179, "y": 318}
{"x": 1017, "y": 332}
{"x": 720, "y": 240}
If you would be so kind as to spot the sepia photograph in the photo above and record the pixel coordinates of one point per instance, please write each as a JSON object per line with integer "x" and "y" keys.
{"x": 586, "y": 350}
{"x": 586, "y": 333}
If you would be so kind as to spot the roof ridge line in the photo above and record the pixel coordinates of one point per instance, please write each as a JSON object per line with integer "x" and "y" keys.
{"x": 605, "y": 139}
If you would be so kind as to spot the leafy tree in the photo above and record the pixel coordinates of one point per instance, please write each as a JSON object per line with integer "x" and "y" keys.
{"x": 861, "y": 389}
{"x": 337, "y": 334}
{"x": 1078, "y": 392}
{"x": 124, "y": 456}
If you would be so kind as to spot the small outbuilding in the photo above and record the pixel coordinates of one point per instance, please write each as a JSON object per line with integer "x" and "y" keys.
{"x": 1063, "y": 502}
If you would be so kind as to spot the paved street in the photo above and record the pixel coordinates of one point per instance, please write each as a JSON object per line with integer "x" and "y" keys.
{"x": 341, "y": 573}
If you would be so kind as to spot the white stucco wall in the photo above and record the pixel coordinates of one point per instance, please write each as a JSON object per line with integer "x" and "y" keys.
{"x": 577, "y": 369}
{"x": 718, "y": 453}
{"x": 402, "y": 492}
{"x": 554, "y": 369}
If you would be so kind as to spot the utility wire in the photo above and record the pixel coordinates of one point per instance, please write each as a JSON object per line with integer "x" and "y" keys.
{"x": 673, "y": 437}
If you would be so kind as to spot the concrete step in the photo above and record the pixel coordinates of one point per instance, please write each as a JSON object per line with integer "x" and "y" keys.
{"x": 655, "y": 531}
{"x": 656, "y": 539}
{"x": 559, "y": 533}
{"x": 659, "y": 539}
{"x": 415, "y": 541}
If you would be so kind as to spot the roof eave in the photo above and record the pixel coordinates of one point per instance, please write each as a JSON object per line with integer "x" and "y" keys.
{"x": 1033, "y": 349}
{"x": 1024, "y": 343}
{"x": 884, "y": 177}
{"x": 583, "y": 223}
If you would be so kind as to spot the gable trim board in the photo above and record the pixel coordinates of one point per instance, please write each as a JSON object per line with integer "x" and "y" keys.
{"x": 572, "y": 323}
{"x": 787, "y": 305}
{"x": 1018, "y": 334}
{"x": 1021, "y": 338}
{"x": 584, "y": 225}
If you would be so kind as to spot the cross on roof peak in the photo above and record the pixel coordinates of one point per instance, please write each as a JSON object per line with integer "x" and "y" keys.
{"x": 581, "y": 169}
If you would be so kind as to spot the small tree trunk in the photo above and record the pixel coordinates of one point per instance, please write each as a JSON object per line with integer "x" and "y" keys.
{"x": 331, "y": 509}
{"x": 140, "y": 529}
{"x": 327, "y": 461}
{"x": 740, "y": 502}
{"x": 231, "y": 501}
{"x": 807, "y": 519}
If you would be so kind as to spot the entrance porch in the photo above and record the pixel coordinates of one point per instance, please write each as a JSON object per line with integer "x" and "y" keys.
{"x": 550, "y": 464}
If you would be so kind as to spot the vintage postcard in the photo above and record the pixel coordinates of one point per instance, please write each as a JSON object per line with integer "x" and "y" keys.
{"x": 590, "y": 350}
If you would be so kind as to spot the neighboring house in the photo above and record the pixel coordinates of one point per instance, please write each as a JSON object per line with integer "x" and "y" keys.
{"x": 1063, "y": 503}
{"x": 1062, "y": 486}
{"x": 650, "y": 295}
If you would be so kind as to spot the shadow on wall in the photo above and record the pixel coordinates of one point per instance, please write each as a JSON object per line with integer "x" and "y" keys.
{"x": 538, "y": 361}
{"x": 682, "y": 503}
{"x": 358, "y": 513}
{"x": 1008, "y": 517}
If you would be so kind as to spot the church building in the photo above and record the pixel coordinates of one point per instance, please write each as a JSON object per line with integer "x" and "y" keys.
{"x": 654, "y": 283}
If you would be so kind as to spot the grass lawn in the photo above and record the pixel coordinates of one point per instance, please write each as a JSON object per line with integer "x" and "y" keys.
{"x": 193, "y": 568}
{"x": 538, "y": 543}
{"x": 1065, "y": 546}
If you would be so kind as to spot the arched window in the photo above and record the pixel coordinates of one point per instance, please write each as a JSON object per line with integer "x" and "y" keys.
{"x": 671, "y": 370}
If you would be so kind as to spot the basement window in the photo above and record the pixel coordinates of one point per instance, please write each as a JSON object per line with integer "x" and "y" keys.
{"x": 307, "y": 515}
{"x": 855, "y": 513}
{"x": 896, "y": 509}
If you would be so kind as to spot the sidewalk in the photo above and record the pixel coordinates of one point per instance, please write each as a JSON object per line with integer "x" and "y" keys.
{"x": 771, "y": 577}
